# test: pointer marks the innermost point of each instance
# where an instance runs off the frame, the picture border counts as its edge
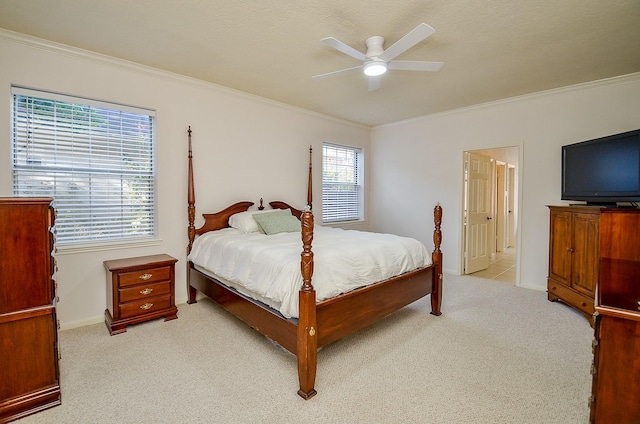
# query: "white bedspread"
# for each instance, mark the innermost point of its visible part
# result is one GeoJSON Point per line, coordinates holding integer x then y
{"type": "Point", "coordinates": [268, 266]}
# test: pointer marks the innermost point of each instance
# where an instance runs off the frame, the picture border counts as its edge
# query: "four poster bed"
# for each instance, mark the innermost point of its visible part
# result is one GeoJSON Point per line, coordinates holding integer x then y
{"type": "Point", "coordinates": [310, 321]}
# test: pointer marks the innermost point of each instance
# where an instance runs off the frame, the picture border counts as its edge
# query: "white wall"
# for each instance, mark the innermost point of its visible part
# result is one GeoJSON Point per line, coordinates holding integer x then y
{"type": "Point", "coordinates": [419, 162]}
{"type": "Point", "coordinates": [244, 148]}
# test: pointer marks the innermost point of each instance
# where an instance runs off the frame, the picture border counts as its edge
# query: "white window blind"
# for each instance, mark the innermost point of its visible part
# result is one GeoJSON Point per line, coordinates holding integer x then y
{"type": "Point", "coordinates": [95, 159]}
{"type": "Point", "coordinates": [341, 183]}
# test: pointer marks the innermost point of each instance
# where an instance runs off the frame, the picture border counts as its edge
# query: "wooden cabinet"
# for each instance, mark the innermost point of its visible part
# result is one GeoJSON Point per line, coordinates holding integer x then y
{"type": "Point", "coordinates": [29, 374]}
{"type": "Point", "coordinates": [616, 368]}
{"type": "Point", "coordinates": [139, 289]}
{"type": "Point", "coordinates": [574, 256]}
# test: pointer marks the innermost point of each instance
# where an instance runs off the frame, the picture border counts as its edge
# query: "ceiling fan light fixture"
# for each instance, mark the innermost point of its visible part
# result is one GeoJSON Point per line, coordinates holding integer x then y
{"type": "Point", "coordinates": [375, 68]}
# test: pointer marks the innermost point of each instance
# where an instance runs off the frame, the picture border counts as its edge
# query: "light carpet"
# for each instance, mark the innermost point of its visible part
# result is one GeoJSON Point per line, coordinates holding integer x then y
{"type": "Point", "coordinates": [498, 354]}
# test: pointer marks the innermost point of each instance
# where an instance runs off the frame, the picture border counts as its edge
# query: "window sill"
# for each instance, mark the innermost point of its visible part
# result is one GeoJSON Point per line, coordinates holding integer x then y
{"type": "Point", "coordinates": [85, 248]}
{"type": "Point", "coordinates": [345, 224]}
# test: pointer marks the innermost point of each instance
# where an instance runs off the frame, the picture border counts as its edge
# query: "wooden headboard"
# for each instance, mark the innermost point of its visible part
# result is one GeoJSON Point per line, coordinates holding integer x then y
{"type": "Point", "coordinates": [282, 205]}
{"type": "Point", "coordinates": [219, 220]}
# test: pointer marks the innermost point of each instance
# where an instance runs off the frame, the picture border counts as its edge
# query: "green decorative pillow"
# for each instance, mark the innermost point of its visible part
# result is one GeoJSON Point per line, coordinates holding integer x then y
{"type": "Point", "coordinates": [277, 223]}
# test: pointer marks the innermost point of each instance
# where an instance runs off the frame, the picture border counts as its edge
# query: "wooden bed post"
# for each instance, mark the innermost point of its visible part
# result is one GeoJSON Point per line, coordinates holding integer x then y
{"type": "Point", "coordinates": [309, 184]}
{"type": "Point", "coordinates": [191, 198]}
{"type": "Point", "coordinates": [307, 326]}
{"type": "Point", "coordinates": [436, 257]}
{"type": "Point", "coordinates": [191, 211]}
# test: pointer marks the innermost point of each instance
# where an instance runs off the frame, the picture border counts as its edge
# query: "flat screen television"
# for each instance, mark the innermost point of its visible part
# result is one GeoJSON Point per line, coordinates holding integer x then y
{"type": "Point", "coordinates": [603, 171]}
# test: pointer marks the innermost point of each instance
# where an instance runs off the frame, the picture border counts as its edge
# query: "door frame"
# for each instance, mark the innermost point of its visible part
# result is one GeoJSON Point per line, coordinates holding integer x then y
{"type": "Point", "coordinates": [512, 206]}
{"type": "Point", "coordinates": [499, 215]}
{"type": "Point", "coordinates": [519, 153]}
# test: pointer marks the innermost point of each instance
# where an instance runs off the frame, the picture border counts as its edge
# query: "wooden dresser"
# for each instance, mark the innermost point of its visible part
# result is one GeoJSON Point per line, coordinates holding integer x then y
{"type": "Point", "coordinates": [29, 374]}
{"type": "Point", "coordinates": [616, 366]}
{"type": "Point", "coordinates": [574, 233]}
{"type": "Point", "coordinates": [139, 289]}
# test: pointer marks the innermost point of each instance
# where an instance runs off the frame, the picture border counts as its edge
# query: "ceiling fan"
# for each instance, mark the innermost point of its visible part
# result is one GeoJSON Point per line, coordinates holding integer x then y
{"type": "Point", "coordinates": [377, 60]}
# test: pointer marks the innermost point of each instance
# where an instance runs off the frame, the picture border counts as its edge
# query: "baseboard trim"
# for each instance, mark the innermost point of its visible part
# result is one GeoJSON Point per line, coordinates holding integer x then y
{"type": "Point", "coordinates": [81, 323]}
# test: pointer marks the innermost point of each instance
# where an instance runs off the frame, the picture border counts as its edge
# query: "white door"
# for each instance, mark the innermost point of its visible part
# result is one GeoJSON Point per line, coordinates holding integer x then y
{"type": "Point", "coordinates": [478, 212]}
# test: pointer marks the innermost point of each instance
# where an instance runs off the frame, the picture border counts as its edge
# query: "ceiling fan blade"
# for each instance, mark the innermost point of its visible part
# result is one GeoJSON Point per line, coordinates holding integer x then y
{"type": "Point", "coordinates": [374, 83]}
{"type": "Point", "coordinates": [344, 48]}
{"type": "Point", "coordinates": [335, 73]}
{"type": "Point", "coordinates": [410, 65]}
{"type": "Point", "coordinates": [414, 36]}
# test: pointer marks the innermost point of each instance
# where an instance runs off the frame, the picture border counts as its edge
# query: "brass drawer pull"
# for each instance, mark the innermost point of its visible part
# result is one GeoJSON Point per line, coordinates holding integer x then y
{"type": "Point", "coordinates": [146, 291]}
{"type": "Point", "coordinates": [145, 277]}
{"type": "Point", "coordinates": [146, 306]}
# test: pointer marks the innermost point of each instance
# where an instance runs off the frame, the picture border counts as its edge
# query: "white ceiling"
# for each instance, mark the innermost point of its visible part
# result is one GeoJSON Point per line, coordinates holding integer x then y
{"type": "Point", "coordinates": [492, 49]}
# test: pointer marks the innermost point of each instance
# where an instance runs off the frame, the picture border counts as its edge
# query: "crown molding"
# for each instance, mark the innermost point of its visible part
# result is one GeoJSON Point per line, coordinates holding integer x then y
{"type": "Point", "coordinates": [78, 53]}
{"type": "Point", "coordinates": [621, 79]}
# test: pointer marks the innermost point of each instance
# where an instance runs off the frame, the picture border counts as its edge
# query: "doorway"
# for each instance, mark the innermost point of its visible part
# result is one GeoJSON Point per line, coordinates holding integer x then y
{"type": "Point", "coordinates": [490, 213]}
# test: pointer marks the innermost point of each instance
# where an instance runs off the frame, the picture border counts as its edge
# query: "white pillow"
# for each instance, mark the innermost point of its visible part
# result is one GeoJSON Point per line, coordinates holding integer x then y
{"type": "Point", "coordinates": [244, 221]}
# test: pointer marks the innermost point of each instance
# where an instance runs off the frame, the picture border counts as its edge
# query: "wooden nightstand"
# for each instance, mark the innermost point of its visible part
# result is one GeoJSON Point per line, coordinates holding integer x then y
{"type": "Point", "coordinates": [139, 289]}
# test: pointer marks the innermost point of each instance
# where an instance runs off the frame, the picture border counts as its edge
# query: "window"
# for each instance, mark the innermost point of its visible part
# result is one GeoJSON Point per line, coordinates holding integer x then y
{"type": "Point", "coordinates": [341, 183]}
{"type": "Point", "coordinates": [95, 159]}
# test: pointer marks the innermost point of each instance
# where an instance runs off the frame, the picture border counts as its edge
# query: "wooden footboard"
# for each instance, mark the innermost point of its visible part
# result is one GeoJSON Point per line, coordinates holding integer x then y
{"type": "Point", "coordinates": [370, 304]}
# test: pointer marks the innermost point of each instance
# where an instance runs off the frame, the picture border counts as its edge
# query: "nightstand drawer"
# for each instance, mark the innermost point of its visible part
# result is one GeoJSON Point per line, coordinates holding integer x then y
{"type": "Point", "coordinates": [144, 306]}
{"type": "Point", "coordinates": [149, 275]}
{"type": "Point", "coordinates": [144, 291]}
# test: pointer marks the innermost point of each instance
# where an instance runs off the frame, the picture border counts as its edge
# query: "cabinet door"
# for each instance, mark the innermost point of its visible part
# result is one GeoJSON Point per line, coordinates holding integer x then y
{"type": "Point", "coordinates": [25, 263]}
{"type": "Point", "coordinates": [617, 382]}
{"type": "Point", "coordinates": [560, 246]}
{"type": "Point", "coordinates": [585, 253]}
{"type": "Point", "coordinates": [28, 355]}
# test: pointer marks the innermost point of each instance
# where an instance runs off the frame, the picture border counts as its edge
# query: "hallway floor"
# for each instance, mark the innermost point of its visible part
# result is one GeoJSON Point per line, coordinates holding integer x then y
{"type": "Point", "coordinates": [501, 268]}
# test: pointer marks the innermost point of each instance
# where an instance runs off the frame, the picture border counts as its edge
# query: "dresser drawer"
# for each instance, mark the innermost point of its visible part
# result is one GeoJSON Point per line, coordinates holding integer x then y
{"type": "Point", "coordinates": [571, 297]}
{"type": "Point", "coordinates": [144, 291]}
{"type": "Point", "coordinates": [149, 275]}
{"type": "Point", "coordinates": [144, 306]}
